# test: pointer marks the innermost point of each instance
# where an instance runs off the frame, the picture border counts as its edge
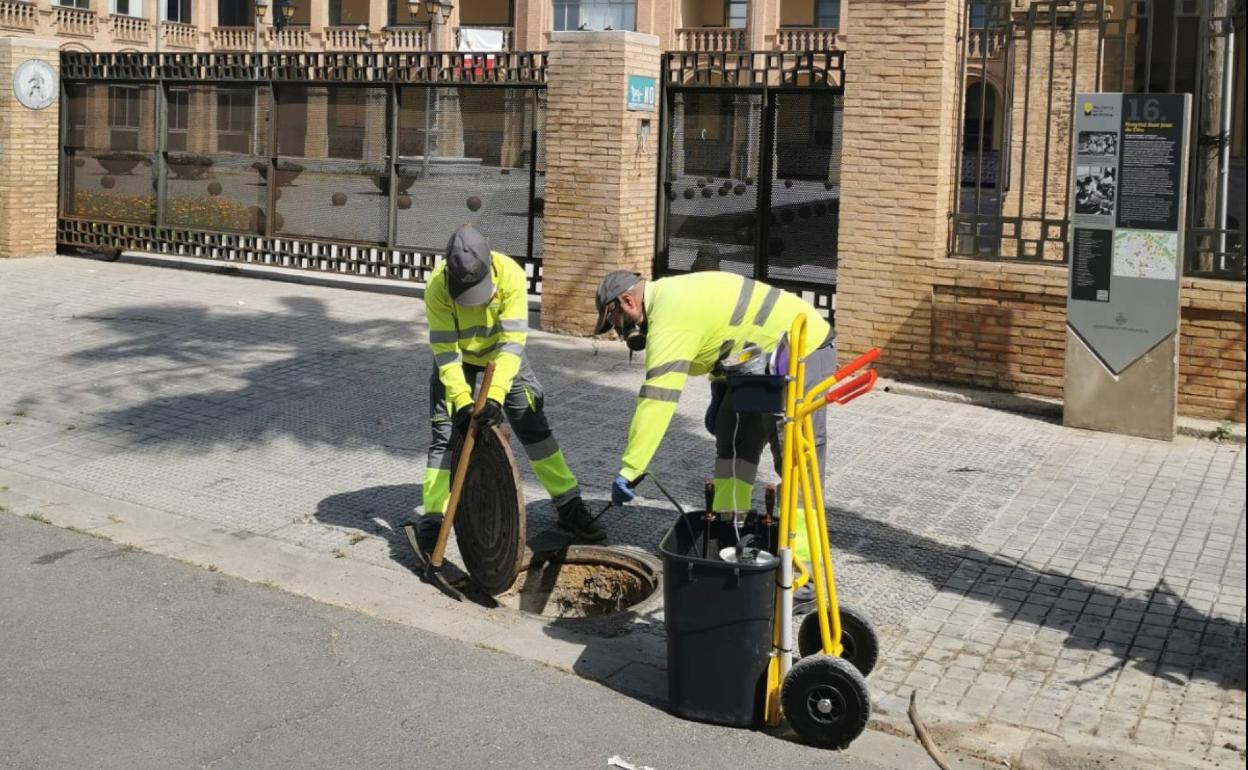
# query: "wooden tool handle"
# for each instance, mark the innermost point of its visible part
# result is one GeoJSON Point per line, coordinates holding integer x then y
{"type": "Point", "coordinates": [461, 468]}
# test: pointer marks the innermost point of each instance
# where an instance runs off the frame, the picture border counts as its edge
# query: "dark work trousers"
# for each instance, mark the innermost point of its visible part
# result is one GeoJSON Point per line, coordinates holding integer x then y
{"type": "Point", "coordinates": [740, 439]}
{"type": "Point", "coordinates": [523, 407]}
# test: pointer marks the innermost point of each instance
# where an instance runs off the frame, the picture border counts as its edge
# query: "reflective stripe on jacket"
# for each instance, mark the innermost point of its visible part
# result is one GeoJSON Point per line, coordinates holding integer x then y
{"type": "Point", "coordinates": [693, 322]}
{"type": "Point", "coordinates": [495, 331]}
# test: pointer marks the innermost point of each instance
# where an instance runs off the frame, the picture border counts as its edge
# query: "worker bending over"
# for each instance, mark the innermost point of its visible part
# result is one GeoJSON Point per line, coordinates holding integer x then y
{"type": "Point", "coordinates": [478, 312]}
{"type": "Point", "coordinates": [710, 323]}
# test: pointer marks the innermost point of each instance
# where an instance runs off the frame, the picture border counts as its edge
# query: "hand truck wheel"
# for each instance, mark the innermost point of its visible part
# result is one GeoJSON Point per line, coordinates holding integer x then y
{"type": "Point", "coordinates": [859, 642]}
{"type": "Point", "coordinates": [826, 701]}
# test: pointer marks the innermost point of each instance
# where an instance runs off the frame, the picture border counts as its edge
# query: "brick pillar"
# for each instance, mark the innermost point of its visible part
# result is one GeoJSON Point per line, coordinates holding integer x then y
{"type": "Point", "coordinates": [517, 124]}
{"type": "Point", "coordinates": [28, 156]}
{"type": "Point", "coordinates": [897, 176]}
{"type": "Point", "coordinates": [97, 134]}
{"type": "Point", "coordinates": [316, 138]}
{"type": "Point", "coordinates": [448, 123]}
{"type": "Point", "coordinates": [376, 103]}
{"type": "Point", "coordinates": [600, 180]}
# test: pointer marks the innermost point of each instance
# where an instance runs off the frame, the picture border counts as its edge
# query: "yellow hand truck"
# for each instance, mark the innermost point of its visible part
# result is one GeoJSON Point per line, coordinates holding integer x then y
{"type": "Point", "coordinates": [824, 693]}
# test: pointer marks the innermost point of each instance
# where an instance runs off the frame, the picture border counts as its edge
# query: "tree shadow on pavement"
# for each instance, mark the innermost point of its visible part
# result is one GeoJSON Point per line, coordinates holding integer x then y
{"type": "Point", "coordinates": [220, 369]}
{"type": "Point", "coordinates": [1154, 631]}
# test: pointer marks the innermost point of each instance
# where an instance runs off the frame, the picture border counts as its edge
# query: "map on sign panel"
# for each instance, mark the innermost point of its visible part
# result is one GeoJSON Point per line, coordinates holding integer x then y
{"type": "Point", "coordinates": [1146, 254]}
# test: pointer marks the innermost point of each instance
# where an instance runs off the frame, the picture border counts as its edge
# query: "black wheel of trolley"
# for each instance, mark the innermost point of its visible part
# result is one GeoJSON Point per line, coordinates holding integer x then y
{"type": "Point", "coordinates": [860, 644]}
{"type": "Point", "coordinates": [825, 699]}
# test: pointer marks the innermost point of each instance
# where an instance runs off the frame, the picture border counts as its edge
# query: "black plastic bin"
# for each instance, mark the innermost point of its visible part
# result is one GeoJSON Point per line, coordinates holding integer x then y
{"type": "Point", "coordinates": [718, 617]}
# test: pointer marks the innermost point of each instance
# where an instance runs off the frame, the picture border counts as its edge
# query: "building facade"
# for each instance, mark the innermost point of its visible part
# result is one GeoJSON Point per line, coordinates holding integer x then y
{"type": "Point", "coordinates": [393, 25]}
{"type": "Point", "coordinates": [937, 168]}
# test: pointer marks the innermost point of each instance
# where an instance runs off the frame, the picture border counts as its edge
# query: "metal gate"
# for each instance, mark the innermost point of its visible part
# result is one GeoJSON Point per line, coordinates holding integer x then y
{"type": "Point", "coordinates": [1023, 64]}
{"type": "Point", "coordinates": [348, 163]}
{"type": "Point", "coordinates": [750, 162]}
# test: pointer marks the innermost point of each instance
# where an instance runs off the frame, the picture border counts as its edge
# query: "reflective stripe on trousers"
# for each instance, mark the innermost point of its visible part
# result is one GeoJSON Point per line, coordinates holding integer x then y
{"type": "Point", "coordinates": [527, 418]}
{"type": "Point", "coordinates": [740, 439]}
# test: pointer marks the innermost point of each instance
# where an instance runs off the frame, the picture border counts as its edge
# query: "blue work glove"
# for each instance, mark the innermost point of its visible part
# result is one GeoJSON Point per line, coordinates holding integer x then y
{"type": "Point", "coordinates": [622, 491]}
{"type": "Point", "coordinates": [719, 389]}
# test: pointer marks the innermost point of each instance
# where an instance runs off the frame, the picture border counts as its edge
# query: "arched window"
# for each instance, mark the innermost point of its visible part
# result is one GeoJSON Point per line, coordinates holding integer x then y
{"type": "Point", "coordinates": [981, 107]}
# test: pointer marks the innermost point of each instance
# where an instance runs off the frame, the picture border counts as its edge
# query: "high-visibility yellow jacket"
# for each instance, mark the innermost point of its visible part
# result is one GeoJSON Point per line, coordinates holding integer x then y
{"type": "Point", "coordinates": [495, 331]}
{"type": "Point", "coordinates": [693, 323]}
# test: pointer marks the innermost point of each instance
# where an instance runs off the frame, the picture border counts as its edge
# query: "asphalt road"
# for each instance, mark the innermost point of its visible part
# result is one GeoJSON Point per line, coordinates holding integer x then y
{"type": "Point", "coordinates": [115, 658]}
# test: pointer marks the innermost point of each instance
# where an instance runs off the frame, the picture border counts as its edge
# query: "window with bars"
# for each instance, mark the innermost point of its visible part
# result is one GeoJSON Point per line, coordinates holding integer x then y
{"type": "Point", "coordinates": [179, 118]}
{"type": "Point", "coordinates": [235, 120]}
{"type": "Point", "coordinates": [595, 14]}
{"type": "Point", "coordinates": [124, 108]}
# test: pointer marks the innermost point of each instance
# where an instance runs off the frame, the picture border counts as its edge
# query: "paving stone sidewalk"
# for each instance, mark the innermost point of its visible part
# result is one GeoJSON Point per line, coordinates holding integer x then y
{"type": "Point", "coordinates": [1020, 573]}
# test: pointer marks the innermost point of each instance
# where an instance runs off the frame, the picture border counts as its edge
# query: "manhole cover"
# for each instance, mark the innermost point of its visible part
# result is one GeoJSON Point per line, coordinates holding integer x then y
{"type": "Point", "coordinates": [581, 581]}
{"type": "Point", "coordinates": [489, 523]}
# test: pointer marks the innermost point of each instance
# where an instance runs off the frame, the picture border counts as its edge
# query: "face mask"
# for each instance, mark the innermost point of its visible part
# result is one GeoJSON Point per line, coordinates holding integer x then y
{"type": "Point", "coordinates": [635, 338]}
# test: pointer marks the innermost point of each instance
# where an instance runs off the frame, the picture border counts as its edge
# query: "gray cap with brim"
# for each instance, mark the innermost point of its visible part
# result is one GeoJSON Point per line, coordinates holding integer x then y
{"type": "Point", "coordinates": [469, 267]}
{"type": "Point", "coordinates": [613, 284]}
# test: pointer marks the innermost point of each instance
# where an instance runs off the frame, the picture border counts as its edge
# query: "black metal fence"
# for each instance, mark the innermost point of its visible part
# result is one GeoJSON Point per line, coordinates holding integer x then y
{"type": "Point", "coordinates": [1021, 69]}
{"type": "Point", "coordinates": [351, 163]}
{"type": "Point", "coordinates": [749, 178]}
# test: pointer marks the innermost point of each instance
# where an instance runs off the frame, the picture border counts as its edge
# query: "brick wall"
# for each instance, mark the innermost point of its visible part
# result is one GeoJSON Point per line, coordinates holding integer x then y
{"type": "Point", "coordinates": [999, 325]}
{"type": "Point", "coordinates": [600, 198]}
{"type": "Point", "coordinates": [1211, 349]}
{"type": "Point", "coordinates": [28, 158]}
{"type": "Point", "coordinates": [1002, 326]}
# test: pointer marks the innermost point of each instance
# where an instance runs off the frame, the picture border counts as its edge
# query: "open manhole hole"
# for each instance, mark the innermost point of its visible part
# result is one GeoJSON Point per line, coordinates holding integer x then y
{"type": "Point", "coordinates": [581, 581]}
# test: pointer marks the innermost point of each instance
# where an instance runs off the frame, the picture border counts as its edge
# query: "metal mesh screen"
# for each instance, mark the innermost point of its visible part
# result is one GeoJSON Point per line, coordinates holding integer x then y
{"type": "Point", "coordinates": [216, 167]}
{"type": "Point", "coordinates": [805, 193]}
{"type": "Point", "coordinates": [712, 181]}
{"type": "Point", "coordinates": [539, 181]}
{"type": "Point", "coordinates": [464, 155]}
{"type": "Point", "coordinates": [331, 170]}
{"type": "Point", "coordinates": [109, 152]}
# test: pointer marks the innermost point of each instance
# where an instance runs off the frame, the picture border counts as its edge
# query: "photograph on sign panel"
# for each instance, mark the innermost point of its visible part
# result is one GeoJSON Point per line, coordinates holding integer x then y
{"type": "Point", "coordinates": [1096, 187]}
{"type": "Point", "coordinates": [1098, 142]}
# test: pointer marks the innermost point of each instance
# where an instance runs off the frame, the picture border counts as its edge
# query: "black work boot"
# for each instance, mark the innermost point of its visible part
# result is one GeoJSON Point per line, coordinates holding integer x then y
{"type": "Point", "coordinates": [427, 529]}
{"type": "Point", "coordinates": [575, 518]}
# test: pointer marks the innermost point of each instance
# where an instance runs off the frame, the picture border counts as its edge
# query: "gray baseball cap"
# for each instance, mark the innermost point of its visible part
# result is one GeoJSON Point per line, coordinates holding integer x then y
{"type": "Point", "coordinates": [469, 267]}
{"type": "Point", "coordinates": [613, 284]}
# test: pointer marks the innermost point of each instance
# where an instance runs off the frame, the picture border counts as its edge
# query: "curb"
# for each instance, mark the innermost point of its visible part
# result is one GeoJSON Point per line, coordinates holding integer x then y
{"type": "Point", "coordinates": [633, 663]}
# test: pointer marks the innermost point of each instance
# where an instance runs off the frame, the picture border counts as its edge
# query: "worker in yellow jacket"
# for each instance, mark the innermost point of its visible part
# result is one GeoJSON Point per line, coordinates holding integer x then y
{"type": "Point", "coordinates": [478, 311]}
{"type": "Point", "coordinates": [709, 323]}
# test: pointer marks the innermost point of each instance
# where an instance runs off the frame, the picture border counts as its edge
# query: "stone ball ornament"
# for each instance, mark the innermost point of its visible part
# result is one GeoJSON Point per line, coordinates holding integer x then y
{"type": "Point", "coordinates": [474, 203]}
{"type": "Point", "coordinates": [35, 84]}
{"type": "Point", "coordinates": [338, 199]}
{"type": "Point", "coordinates": [214, 188]}
{"type": "Point", "coordinates": [108, 182]}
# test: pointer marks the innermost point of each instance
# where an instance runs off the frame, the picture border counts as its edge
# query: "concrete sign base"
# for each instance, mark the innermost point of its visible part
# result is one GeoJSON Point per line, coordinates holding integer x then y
{"type": "Point", "coordinates": [1141, 401]}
